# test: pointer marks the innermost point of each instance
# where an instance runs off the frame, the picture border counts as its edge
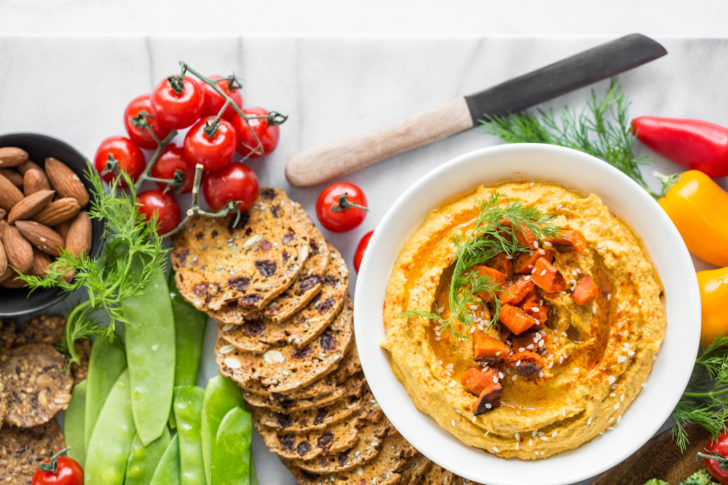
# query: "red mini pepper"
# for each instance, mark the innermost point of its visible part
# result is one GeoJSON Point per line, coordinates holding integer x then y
{"type": "Point", "coordinates": [694, 144]}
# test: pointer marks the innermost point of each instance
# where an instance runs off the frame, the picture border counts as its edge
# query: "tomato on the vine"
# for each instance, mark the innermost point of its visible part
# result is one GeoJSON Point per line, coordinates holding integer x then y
{"type": "Point", "coordinates": [716, 458]}
{"type": "Point", "coordinates": [361, 249]}
{"type": "Point", "coordinates": [177, 103]}
{"type": "Point", "coordinates": [139, 134]}
{"type": "Point", "coordinates": [212, 146]}
{"type": "Point", "coordinates": [167, 208]}
{"type": "Point", "coordinates": [58, 470]}
{"type": "Point", "coordinates": [341, 207]}
{"type": "Point", "coordinates": [213, 101]}
{"type": "Point", "coordinates": [265, 128]}
{"type": "Point", "coordinates": [128, 156]}
{"type": "Point", "coordinates": [171, 160]}
{"type": "Point", "coordinates": [236, 182]}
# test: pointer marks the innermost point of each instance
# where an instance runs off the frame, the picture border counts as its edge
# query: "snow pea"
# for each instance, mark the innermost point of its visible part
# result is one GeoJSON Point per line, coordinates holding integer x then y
{"type": "Point", "coordinates": [74, 422]}
{"type": "Point", "coordinates": [187, 411]}
{"type": "Point", "coordinates": [231, 455]}
{"type": "Point", "coordinates": [189, 326]}
{"type": "Point", "coordinates": [221, 395]}
{"type": "Point", "coordinates": [106, 363]}
{"type": "Point", "coordinates": [143, 460]}
{"type": "Point", "coordinates": [167, 472]}
{"type": "Point", "coordinates": [253, 475]}
{"type": "Point", "coordinates": [149, 333]}
{"type": "Point", "coordinates": [111, 439]}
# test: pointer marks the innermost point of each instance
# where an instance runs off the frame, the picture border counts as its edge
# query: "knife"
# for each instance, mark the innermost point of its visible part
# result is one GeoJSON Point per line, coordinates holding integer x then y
{"type": "Point", "coordinates": [329, 161]}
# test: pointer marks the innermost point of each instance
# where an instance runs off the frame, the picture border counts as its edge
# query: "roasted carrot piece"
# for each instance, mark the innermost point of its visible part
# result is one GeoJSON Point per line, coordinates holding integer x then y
{"type": "Point", "coordinates": [526, 363]}
{"type": "Point", "coordinates": [502, 264]}
{"type": "Point", "coordinates": [569, 241]}
{"type": "Point", "coordinates": [476, 379]}
{"type": "Point", "coordinates": [494, 275]}
{"type": "Point", "coordinates": [524, 236]}
{"type": "Point", "coordinates": [517, 291]}
{"type": "Point", "coordinates": [536, 307]}
{"type": "Point", "coordinates": [547, 277]}
{"type": "Point", "coordinates": [515, 319]}
{"type": "Point", "coordinates": [488, 399]}
{"type": "Point", "coordinates": [489, 349]}
{"type": "Point", "coordinates": [533, 341]}
{"type": "Point", "coordinates": [525, 262]}
{"type": "Point", "coordinates": [585, 291]}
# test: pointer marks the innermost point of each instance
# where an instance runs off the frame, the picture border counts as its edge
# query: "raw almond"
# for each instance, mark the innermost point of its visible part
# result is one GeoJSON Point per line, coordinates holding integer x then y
{"type": "Point", "coordinates": [25, 166]}
{"type": "Point", "coordinates": [12, 283]}
{"type": "Point", "coordinates": [3, 224]}
{"type": "Point", "coordinates": [7, 273]}
{"type": "Point", "coordinates": [35, 180]}
{"type": "Point", "coordinates": [58, 211]}
{"type": "Point", "coordinates": [3, 259]}
{"type": "Point", "coordinates": [9, 194]}
{"type": "Point", "coordinates": [18, 250]}
{"type": "Point", "coordinates": [12, 175]}
{"type": "Point", "coordinates": [62, 228]}
{"type": "Point", "coordinates": [41, 261]}
{"type": "Point", "coordinates": [30, 205]}
{"type": "Point", "coordinates": [40, 236]}
{"type": "Point", "coordinates": [2, 216]}
{"type": "Point", "coordinates": [78, 239]}
{"type": "Point", "coordinates": [65, 181]}
{"type": "Point", "coordinates": [12, 156]}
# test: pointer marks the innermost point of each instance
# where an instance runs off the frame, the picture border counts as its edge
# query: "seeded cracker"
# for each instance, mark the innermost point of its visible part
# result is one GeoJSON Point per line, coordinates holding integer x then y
{"type": "Point", "coordinates": [22, 449]}
{"type": "Point", "coordinates": [45, 329]}
{"type": "Point", "coordinates": [311, 419]}
{"type": "Point", "coordinates": [7, 333]}
{"type": "Point", "coordinates": [37, 384]}
{"type": "Point", "coordinates": [3, 404]}
{"type": "Point", "coordinates": [288, 368]}
{"type": "Point", "coordinates": [438, 476]}
{"type": "Point", "coordinates": [415, 468]}
{"type": "Point", "coordinates": [217, 261]}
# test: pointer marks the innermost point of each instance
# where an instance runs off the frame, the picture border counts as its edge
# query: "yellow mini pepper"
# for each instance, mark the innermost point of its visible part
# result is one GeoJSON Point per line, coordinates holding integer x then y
{"type": "Point", "coordinates": [713, 299]}
{"type": "Point", "coordinates": [699, 209]}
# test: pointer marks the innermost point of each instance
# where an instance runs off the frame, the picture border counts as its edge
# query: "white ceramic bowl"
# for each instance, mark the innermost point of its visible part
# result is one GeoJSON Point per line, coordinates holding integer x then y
{"type": "Point", "coordinates": [582, 173]}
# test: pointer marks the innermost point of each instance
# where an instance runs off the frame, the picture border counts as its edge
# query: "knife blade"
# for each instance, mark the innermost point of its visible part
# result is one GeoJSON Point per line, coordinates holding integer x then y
{"type": "Point", "coordinates": [329, 161]}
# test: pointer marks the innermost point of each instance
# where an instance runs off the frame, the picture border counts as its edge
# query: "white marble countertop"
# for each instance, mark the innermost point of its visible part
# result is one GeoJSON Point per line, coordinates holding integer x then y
{"type": "Point", "coordinates": [76, 88]}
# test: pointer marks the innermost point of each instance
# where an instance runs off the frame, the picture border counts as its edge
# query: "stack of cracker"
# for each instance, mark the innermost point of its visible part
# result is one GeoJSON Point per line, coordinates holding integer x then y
{"type": "Point", "coordinates": [280, 293]}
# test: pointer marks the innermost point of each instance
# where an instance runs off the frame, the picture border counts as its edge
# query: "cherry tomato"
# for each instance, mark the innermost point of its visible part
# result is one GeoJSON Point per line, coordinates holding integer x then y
{"type": "Point", "coordinates": [716, 466]}
{"type": "Point", "coordinates": [177, 109]}
{"type": "Point", "coordinates": [165, 205]}
{"type": "Point", "coordinates": [341, 207]}
{"type": "Point", "coordinates": [213, 152]}
{"type": "Point", "coordinates": [267, 132]}
{"type": "Point", "coordinates": [171, 160]}
{"type": "Point", "coordinates": [234, 182]}
{"type": "Point", "coordinates": [125, 152]}
{"type": "Point", "coordinates": [67, 472]}
{"type": "Point", "coordinates": [213, 101]}
{"type": "Point", "coordinates": [360, 249]}
{"type": "Point", "coordinates": [140, 135]}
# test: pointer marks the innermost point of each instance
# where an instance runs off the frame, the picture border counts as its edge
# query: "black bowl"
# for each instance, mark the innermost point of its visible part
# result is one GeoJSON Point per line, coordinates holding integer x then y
{"type": "Point", "coordinates": [19, 302]}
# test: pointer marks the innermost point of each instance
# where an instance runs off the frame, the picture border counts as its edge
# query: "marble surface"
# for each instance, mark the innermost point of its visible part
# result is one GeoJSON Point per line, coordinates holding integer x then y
{"type": "Point", "coordinates": [76, 88]}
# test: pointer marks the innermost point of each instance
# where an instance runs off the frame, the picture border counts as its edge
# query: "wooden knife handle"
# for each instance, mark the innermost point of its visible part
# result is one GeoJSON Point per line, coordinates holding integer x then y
{"type": "Point", "coordinates": [327, 162]}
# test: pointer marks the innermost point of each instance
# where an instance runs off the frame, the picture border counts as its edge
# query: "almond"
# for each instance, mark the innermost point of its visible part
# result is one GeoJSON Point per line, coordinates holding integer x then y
{"type": "Point", "coordinates": [18, 249]}
{"type": "Point", "coordinates": [35, 180]}
{"type": "Point", "coordinates": [3, 259]}
{"type": "Point", "coordinates": [12, 175]}
{"type": "Point", "coordinates": [3, 225]}
{"type": "Point", "coordinates": [12, 156]}
{"type": "Point", "coordinates": [41, 261]}
{"type": "Point", "coordinates": [57, 212]}
{"type": "Point", "coordinates": [78, 239]}
{"type": "Point", "coordinates": [62, 228]}
{"type": "Point", "coordinates": [9, 194]}
{"type": "Point", "coordinates": [30, 205]}
{"type": "Point", "coordinates": [3, 213]}
{"type": "Point", "coordinates": [7, 273]}
{"type": "Point", "coordinates": [25, 166]}
{"type": "Point", "coordinates": [65, 181]}
{"type": "Point", "coordinates": [12, 282]}
{"type": "Point", "coordinates": [40, 236]}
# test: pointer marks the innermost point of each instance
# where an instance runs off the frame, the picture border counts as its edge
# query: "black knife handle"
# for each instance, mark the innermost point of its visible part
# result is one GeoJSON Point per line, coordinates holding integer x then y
{"type": "Point", "coordinates": [579, 70]}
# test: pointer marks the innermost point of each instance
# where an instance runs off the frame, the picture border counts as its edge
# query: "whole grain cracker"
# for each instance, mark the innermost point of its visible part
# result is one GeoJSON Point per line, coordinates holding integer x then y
{"type": "Point", "coordinates": [43, 329]}
{"type": "Point", "coordinates": [437, 475]}
{"type": "Point", "coordinates": [415, 469]}
{"type": "Point", "coordinates": [310, 419]}
{"type": "Point", "coordinates": [38, 384]}
{"type": "Point", "coordinates": [21, 449]}
{"type": "Point", "coordinates": [289, 368]}
{"type": "Point", "coordinates": [3, 404]}
{"type": "Point", "coordinates": [7, 333]}
{"type": "Point", "coordinates": [217, 260]}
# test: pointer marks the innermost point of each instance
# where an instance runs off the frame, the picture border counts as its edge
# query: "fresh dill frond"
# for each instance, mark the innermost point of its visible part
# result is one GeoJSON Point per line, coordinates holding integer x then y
{"type": "Point", "coordinates": [602, 129]}
{"type": "Point", "coordinates": [131, 254]}
{"type": "Point", "coordinates": [705, 401]}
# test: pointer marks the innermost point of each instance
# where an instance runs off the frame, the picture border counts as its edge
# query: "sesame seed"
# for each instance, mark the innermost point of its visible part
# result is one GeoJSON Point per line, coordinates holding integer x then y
{"type": "Point", "coordinates": [515, 377]}
{"type": "Point", "coordinates": [543, 272]}
{"type": "Point", "coordinates": [588, 421]}
{"type": "Point", "coordinates": [544, 438]}
{"type": "Point", "coordinates": [611, 379]}
{"type": "Point", "coordinates": [488, 405]}
{"type": "Point", "coordinates": [616, 406]}
{"type": "Point", "coordinates": [452, 384]}
{"type": "Point", "coordinates": [553, 435]}
{"type": "Point", "coordinates": [540, 373]}
{"type": "Point", "coordinates": [501, 375]}
{"type": "Point", "coordinates": [621, 398]}
{"type": "Point", "coordinates": [530, 442]}
{"type": "Point", "coordinates": [495, 449]}
{"type": "Point", "coordinates": [452, 422]}
{"type": "Point", "coordinates": [517, 445]}
{"type": "Point", "coordinates": [547, 244]}
{"type": "Point", "coordinates": [609, 421]}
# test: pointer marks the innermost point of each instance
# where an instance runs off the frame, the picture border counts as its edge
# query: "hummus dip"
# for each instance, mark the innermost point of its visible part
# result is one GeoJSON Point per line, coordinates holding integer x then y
{"type": "Point", "coordinates": [597, 355]}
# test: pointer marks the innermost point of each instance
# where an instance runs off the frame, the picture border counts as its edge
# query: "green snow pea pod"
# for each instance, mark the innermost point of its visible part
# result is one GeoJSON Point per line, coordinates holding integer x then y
{"type": "Point", "coordinates": [111, 439]}
{"type": "Point", "coordinates": [106, 364]}
{"type": "Point", "coordinates": [149, 333]}
{"type": "Point", "coordinates": [231, 455]}
{"type": "Point", "coordinates": [187, 411]}
{"type": "Point", "coordinates": [143, 460]}
{"type": "Point", "coordinates": [189, 325]}
{"type": "Point", "coordinates": [253, 475]}
{"type": "Point", "coordinates": [167, 472]}
{"type": "Point", "coordinates": [74, 422]}
{"type": "Point", "coordinates": [221, 395]}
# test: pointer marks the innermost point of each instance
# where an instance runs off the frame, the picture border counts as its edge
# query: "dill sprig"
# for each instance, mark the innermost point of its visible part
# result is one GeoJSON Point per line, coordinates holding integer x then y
{"type": "Point", "coordinates": [705, 401]}
{"type": "Point", "coordinates": [601, 129]}
{"type": "Point", "coordinates": [131, 254]}
{"type": "Point", "coordinates": [493, 233]}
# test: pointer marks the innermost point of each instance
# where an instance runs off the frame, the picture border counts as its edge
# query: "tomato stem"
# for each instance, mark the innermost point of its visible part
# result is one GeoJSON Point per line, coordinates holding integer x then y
{"type": "Point", "coordinates": [344, 203]}
{"type": "Point", "coordinates": [52, 465]}
{"type": "Point", "coordinates": [157, 153]}
{"type": "Point", "coordinates": [212, 126]}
